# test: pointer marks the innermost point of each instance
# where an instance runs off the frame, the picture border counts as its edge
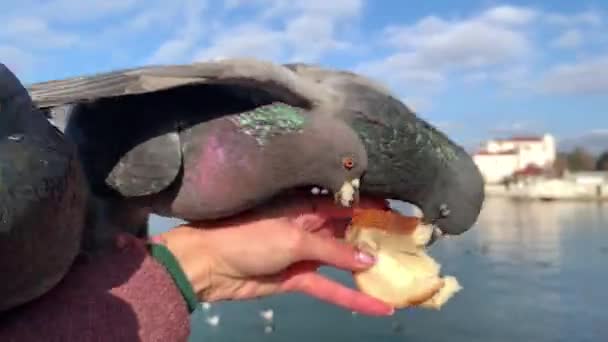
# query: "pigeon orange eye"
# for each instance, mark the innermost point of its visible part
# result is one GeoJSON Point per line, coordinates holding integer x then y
{"type": "Point", "coordinates": [348, 163]}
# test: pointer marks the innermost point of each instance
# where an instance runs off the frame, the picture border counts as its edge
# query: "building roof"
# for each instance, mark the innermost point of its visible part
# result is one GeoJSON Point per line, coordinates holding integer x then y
{"type": "Point", "coordinates": [520, 139]}
{"type": "Point", "coordinates": [530, 170]}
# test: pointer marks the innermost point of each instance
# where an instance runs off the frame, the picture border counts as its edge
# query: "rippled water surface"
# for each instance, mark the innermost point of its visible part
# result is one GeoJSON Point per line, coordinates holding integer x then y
{"type": "Point", "coordinates": [530, 271]}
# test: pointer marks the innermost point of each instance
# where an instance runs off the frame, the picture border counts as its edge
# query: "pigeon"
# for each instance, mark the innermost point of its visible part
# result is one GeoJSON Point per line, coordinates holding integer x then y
{"type": "Point", "coordinates": [210, 140]}
{"type": "Point", "coordinates": [42, 198]}
{"type": "Point", "coordinates": [409, 159]}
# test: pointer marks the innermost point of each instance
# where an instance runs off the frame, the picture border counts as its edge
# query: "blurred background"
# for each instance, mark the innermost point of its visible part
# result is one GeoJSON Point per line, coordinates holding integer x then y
{"type": "Point", "coordinates": [522, 85]}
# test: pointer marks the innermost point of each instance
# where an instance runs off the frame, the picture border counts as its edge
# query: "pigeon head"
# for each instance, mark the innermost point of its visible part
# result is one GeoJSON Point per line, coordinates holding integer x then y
{"type": "Point", "coordinates": [341, 161]}
{"type": "Point", "coordinates": [412, 161]}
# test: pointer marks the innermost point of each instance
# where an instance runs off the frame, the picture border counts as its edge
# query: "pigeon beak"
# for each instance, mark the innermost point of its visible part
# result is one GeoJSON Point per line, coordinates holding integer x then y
{"type": "Point", "coordinates": [348, 195]}
{"type": "Point", "coordinates": [435, 235]}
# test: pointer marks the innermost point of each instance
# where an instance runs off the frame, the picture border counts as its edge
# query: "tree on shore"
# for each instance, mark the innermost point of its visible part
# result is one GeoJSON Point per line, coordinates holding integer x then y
{"type": "Point", "coordinates": [581, 160]}
{"type": "Point", "coordinates": [602, 162]}
{"type": "Point", "coordinates": [560, 165]}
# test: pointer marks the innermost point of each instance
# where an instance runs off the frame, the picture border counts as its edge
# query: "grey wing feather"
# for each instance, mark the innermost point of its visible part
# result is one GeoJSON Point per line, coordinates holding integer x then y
{"type": "Point", "coordinates": [276, 79]}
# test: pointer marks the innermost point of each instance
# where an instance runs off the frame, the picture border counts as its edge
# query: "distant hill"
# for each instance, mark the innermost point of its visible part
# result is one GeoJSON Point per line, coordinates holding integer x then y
{"type": "Point", "coordinates": [595, 142]}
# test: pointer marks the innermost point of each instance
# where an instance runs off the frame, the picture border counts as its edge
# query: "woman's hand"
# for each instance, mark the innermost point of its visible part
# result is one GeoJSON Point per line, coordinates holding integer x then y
{"type": "Point", "coordinates": [276, 249]}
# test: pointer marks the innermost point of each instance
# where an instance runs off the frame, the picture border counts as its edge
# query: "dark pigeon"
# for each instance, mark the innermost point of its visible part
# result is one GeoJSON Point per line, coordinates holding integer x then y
{"type": "Point", "coordinates": [210, 140]}
{"type": "Point", "coordinates": [42, 198]}
{"type": "Point", "coordinates": [409, 159]}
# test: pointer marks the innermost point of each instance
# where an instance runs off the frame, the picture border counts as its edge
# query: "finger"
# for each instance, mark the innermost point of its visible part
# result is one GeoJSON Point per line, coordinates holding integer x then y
{"type": "Point", "coordinates": [332, 252]}
{"type": "Point", "coordinates": [310, 221]}
{"type": "Point", "coordinates": [326, 231]}
{"type": "Point", "coordinates": [335, 228]}
{"type": "Point", "coordinates": [332, 292]}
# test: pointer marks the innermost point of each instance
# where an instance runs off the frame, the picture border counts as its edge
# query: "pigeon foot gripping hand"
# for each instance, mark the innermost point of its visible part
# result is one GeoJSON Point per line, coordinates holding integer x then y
{"type": "Point", "coordinates": [404, 275]}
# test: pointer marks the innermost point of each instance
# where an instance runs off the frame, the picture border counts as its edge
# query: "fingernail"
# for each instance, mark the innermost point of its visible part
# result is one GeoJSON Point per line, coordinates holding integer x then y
{"type": "Point", "coordinates": [391, 312]}
{"type": "Point", "coordinates": [365, 258]}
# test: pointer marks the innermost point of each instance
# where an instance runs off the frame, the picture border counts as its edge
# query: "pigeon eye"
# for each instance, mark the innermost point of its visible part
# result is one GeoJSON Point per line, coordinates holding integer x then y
{"type": "Point", "coordinates": [348, 163]}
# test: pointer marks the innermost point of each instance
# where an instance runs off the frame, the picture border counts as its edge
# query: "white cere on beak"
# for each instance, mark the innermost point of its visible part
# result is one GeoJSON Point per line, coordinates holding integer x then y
{"type": "Point", "coordinates": [324, 191]}
{"type": "Point", "coordinates": [346, 195]}
{"type": "Point", "coordinates": [315, 191]}
{"type": "Point", "coordinates": [438, 232]}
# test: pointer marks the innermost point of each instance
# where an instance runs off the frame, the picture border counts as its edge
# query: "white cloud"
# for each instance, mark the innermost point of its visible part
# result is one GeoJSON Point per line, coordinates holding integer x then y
{"type": "Point", "coordinates": [71, 11]}
{"type": "Point", "coordinates": [108, 27]}
{"type": "Point", "coordinates": [186, 37]}
{"type": "Point", "coordinates": [311, 36]}
{"type": "Point", "coordinates": [428, 52]}
{"type": "Point", "coordinates": [405, 68]}
{"type": "Point", "coordinates": [498, 44]}
{"type": "Point", "coordinates": [510, 15]}
{"type": "Point", "coordinates": [588, 76]}
{"type": "Point", "coordinates": [35, 33]}
{"type": "Point", "coordinates": [337, 9]}
{"type": "Point", "coordinates": [246, 40]}
{"type": "Point", "coordinates": [470, 43]}
{"type": "Point", "coordinates": [305, 31]}
{"type": "Point", "coordinates": [305, 38]}
{"type": "Point", "coordinates": [591, 18]}
{"type": "Point", "coordinates": [571, 38]}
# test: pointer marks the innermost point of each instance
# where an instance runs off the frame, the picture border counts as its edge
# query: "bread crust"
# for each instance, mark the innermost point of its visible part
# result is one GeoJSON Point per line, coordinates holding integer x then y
{"type": "Point", "coordinates": [404, 275]}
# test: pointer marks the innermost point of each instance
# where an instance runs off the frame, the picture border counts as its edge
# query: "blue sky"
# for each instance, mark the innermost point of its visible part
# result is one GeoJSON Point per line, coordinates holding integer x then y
{"type": "Point", "coordinates": [475, 69]}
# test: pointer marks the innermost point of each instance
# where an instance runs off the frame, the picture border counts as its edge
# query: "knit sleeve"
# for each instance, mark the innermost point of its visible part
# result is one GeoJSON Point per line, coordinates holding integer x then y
{"type": "Point", "coordinates": [125, 296]}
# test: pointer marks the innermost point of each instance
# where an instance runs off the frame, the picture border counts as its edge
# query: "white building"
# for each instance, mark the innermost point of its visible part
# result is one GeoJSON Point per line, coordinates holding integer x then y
{"type": "Point", "coordinates": [501, 158]}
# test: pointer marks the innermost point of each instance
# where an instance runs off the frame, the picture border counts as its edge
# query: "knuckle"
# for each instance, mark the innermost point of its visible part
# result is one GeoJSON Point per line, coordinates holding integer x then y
{"type": "Point", "coordinates": [296, 239]}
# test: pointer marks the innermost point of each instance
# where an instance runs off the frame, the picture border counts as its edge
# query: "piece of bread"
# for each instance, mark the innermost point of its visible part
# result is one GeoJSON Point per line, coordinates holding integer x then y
{"type": "Point", "coordinates": [404, 275]}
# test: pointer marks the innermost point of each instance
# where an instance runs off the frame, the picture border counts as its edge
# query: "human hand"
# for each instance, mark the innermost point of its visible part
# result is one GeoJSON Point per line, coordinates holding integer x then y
{"type": "Point", "coordinates": [276, 249]}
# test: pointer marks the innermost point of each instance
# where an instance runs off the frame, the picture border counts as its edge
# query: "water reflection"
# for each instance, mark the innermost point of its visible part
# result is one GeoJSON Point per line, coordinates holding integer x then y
{"type": "Point", "coordinates": [531, 271]}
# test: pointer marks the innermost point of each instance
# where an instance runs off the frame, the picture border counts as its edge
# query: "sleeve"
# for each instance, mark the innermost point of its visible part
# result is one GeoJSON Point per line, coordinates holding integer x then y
{"type": "Point", "coordinates": [125, 296]}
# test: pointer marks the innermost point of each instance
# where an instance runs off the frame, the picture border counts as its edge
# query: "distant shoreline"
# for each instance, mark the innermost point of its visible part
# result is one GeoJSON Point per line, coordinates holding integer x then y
{"type": "Point", "coordinates": [550, 191]}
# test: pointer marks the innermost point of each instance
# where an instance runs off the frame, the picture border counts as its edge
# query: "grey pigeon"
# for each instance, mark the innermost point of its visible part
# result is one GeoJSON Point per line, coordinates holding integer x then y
{"type": "Point", "coordinates": [210, 140]}
{"type": "Point", "coordinates": [42, 198]}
